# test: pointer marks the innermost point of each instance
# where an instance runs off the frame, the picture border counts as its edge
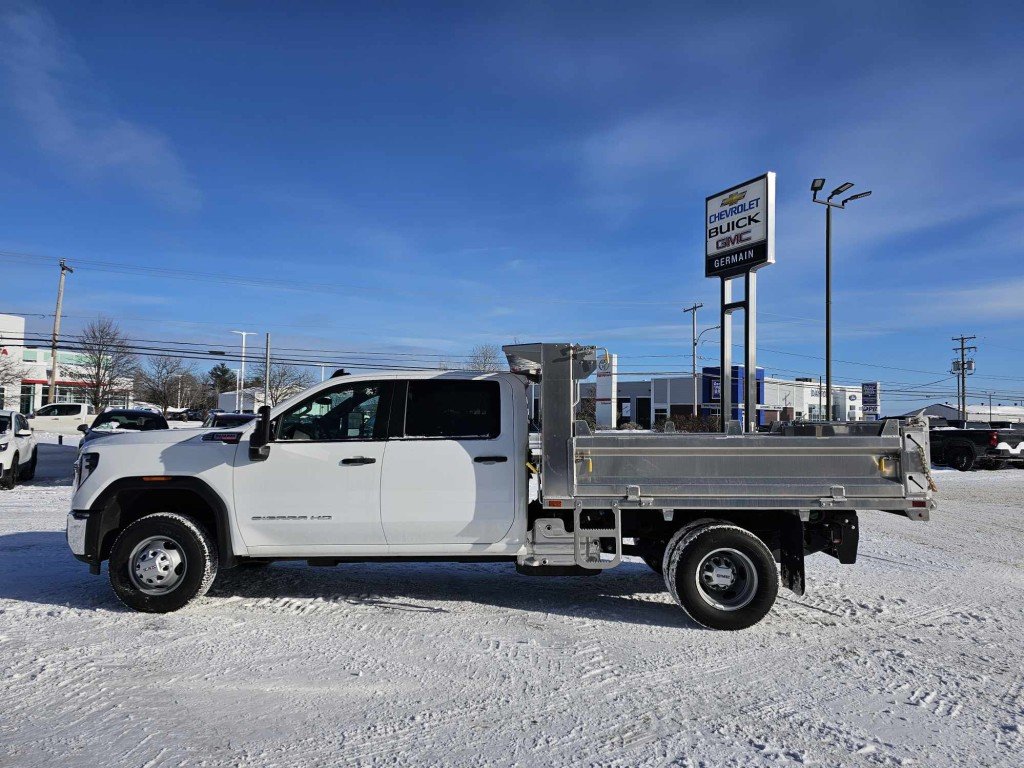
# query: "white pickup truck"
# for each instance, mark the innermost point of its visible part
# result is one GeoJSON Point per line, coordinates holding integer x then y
{"type": "Point", "coordinates": [438, 466]}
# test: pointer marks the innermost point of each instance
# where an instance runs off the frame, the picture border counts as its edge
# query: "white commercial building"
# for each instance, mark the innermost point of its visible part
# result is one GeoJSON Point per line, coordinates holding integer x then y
{"type": "Point", "coordinates": [30, 389]}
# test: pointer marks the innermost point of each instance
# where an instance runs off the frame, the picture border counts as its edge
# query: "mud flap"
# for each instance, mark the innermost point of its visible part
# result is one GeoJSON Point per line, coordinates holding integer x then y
{"type": "Point", "coordinates": [792, 553]}
{"type": "Point", "coordinates": [845, 528]}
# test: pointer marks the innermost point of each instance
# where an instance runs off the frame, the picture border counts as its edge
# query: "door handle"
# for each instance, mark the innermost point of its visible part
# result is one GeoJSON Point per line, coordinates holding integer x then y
{"type": "Point", "coordinates": [490, 459]}
{"type": "Point", "coordinates": [358, 460]}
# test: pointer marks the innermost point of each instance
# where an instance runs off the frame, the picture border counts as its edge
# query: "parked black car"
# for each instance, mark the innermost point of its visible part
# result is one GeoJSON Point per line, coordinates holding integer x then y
{"type": "Point", "coordinates": [121, 420]}
{"type": "Point", "coordinates": [975, 445]}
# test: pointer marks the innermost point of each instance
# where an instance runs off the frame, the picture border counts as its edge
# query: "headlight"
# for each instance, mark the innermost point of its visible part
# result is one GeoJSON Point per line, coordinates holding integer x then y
{"type": "Point", "coordinates": [3, 446]}
{"type": "Point", "coordinates": [85, 465]}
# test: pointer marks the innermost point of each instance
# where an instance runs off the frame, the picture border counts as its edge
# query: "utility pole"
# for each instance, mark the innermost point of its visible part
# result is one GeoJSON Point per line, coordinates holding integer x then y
{"type": "Point", "coordinates": [52, 395]}
{"type": "Point", "coordinates": [960, 366]}
{"type": "Point", "coordinates": [693, 348]}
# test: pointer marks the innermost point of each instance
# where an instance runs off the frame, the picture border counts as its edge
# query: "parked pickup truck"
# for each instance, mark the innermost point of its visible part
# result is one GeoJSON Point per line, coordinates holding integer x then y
{"type": "Point", "coordinates": [976, 444]}
{"type": "Point", "coordinates": [438, 466]}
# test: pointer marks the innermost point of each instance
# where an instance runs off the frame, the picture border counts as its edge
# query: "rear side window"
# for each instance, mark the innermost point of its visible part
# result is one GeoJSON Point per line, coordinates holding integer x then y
{"type": "Point", "coordinates": [453, 409]}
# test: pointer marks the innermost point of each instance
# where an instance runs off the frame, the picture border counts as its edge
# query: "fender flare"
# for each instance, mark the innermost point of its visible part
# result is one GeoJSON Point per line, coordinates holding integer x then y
{"type": "Point", "coordinates": [105, 515]}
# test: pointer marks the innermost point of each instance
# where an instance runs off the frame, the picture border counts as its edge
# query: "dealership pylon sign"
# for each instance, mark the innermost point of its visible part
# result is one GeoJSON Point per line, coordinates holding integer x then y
{"type": "Point", "coordinates": [739, 228]}
{"type": "Point", "coordinates": [739, 239]}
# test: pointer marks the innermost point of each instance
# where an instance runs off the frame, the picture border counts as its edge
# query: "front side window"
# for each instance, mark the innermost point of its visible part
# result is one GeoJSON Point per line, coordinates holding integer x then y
{"type": "Point", "coordinates": [457, 410]}
{"type": "Point", "coordinates": [343, 412]}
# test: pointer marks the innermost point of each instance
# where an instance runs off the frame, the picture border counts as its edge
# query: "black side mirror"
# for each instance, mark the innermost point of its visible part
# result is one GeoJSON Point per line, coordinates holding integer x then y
{"type": "Point", "coordinates": [83, 428]}
{"type": "Point", "coordinates": [259, 440]}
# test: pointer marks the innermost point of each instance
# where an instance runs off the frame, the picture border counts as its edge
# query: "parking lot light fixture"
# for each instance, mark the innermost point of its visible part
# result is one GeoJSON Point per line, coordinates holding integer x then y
{"type": "Point", "coordinates": [840, 189]}
{"type": "Point", "coordinates": [816, 186]}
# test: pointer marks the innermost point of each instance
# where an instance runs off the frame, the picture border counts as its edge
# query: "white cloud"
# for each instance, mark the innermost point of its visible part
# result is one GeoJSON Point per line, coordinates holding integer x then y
{"type": "Point", "coordinates": [72, 125]}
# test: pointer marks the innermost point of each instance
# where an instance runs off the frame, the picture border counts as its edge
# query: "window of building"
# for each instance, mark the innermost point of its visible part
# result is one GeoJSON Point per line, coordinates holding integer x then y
{"type": "Point", "coordinates": [451, 409]}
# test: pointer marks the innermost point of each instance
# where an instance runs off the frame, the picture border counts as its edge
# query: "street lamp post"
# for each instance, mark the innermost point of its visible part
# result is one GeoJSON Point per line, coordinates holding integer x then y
{"type": "Point", "coordinates": [816, 187]}
{"type": "Point", "coordinates": [699, 391]}
{"type": "Point", "coordinates": [241, 375]}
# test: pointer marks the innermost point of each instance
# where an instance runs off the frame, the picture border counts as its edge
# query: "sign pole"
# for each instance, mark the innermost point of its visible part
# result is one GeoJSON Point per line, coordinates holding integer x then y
{"type": "Point", "coordinates": [750, 352]}
{"type": "Point", "coordinates": [725, 369]}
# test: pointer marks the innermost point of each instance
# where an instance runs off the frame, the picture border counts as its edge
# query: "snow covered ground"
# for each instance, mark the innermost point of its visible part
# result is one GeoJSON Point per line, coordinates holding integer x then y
{"type": "Point", "coordinates": [914, 656]}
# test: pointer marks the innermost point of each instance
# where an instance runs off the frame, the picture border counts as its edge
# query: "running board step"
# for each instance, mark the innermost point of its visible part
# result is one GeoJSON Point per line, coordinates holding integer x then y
{"type": "Point", "coordinates": [587, 542]}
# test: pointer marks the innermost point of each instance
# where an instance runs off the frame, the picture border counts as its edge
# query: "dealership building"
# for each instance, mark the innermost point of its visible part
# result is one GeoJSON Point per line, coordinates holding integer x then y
{"type": "Point", "coordinates": [30, 389]}
{"type": "Point", "coordinates": [648, 401]}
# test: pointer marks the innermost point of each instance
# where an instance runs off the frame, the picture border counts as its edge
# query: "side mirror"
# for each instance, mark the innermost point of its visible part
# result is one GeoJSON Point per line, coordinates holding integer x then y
{"type": "Point", "coordinates": [259, 440]}
{"type": "Point", "coordinates": [83, 428]}
{"type": "Point", "coordinates": [23, 433]}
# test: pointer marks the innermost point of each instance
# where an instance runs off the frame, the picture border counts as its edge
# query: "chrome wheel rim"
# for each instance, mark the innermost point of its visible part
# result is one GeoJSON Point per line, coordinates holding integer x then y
{"type": "Point", "coordinates": [156, 565]}
{"type": "Point", "coordinates": [726, 579]}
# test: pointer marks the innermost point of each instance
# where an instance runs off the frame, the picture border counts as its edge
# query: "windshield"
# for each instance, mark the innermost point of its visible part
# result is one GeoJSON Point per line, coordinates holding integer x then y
{"type": "Point", "coordinates": [140, 422]}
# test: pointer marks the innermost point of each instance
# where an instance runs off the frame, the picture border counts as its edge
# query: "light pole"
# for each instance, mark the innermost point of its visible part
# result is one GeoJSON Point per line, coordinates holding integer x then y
{"type": "Point", "coordinates": [241, 375]}
{"type": "Point", "coordinates": [816, 187]}
{"type": "Point", "coordinates": [695, 388]}
{"type": "Point", "coordinates": [237, 372]}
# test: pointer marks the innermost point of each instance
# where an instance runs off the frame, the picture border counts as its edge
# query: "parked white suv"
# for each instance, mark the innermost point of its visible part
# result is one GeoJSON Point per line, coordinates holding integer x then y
{"type": "Point", "coordinates": [62, 418]}
{"type": "Point", "coordinates": [17, 450]}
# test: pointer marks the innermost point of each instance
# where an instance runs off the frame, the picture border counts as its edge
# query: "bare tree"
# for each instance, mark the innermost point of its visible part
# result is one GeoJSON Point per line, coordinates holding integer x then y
{"type": "Point", "coordinates": [285, 381]}
{"type": "Point", "coordinates": [107, 361]}
{"type": "Point", "coordinates": [163, 379]}
{"type": "Point", "coordinates": [484, 357]}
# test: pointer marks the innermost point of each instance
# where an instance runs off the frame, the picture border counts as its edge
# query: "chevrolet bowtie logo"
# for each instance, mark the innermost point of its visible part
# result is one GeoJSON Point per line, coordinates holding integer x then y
{"type": "Point", "coordinates": [732, 199]}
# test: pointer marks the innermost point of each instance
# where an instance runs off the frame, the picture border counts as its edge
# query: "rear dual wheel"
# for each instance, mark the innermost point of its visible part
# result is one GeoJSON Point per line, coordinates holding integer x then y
{"type": "Point", "coordinates": [723, 576]}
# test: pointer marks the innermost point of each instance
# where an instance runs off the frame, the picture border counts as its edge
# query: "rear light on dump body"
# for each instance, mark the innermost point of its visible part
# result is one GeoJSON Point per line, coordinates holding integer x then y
{"type": "Point", "coordinates": [993, 439]}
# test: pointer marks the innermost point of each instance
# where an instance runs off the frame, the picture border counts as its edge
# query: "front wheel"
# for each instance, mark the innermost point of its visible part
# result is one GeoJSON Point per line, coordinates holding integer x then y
{"type": "Point", "coordinates": [995, 464]}
{"type": "Point", "coordinates": [9, 478]}
{"type": "Point", "coordinates": [161, 563]}
{"type": "Point", "coordinates": [723, 576]}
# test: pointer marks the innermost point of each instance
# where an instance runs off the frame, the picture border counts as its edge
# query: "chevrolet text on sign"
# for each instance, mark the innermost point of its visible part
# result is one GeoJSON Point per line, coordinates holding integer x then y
{"type": "Point", "coordinates": [739, 226]}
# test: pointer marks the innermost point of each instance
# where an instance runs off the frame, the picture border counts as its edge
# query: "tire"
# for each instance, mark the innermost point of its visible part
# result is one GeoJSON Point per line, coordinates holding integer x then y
{"type": "Point", "coordinates": [9, 478]}
{"type": "Point", "coordinates": [995, 464]}
{"type": "Point", "coordinates": [698, 565]}
{"type": "Point", "coordinates": [962, 459]}
{"type": "Point", "coordinates": [163, 547]}
{"type": "Point", "coordinates": [29, 472]}
{"type": "Point", "coordinates": [652, 552]}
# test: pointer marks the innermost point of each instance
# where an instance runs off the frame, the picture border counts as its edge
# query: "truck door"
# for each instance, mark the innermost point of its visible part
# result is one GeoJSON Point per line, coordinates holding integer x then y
{"type": "Point", "coordinates": [319, 488]}
{"type": "Point", "coordinates": [449, 472]}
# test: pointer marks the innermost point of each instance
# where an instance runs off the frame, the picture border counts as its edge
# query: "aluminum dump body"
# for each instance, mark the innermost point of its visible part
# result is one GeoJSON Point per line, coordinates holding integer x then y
{"type": "Point", "coordinates": [864, 465]}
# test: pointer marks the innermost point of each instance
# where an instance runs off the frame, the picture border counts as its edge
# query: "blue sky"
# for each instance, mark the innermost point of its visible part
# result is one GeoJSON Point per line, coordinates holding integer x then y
{"type": "Point", "coordinates": [422, 178]}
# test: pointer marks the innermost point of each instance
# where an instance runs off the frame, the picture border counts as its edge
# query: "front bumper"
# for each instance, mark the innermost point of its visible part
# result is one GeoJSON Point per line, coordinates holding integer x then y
{"type": "Point", "coordinates": [78, 522]}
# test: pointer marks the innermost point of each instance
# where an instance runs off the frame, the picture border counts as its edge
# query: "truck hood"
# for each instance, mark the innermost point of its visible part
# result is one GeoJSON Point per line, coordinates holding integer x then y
{"type": "Point", "coordinates": [152, 437]}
